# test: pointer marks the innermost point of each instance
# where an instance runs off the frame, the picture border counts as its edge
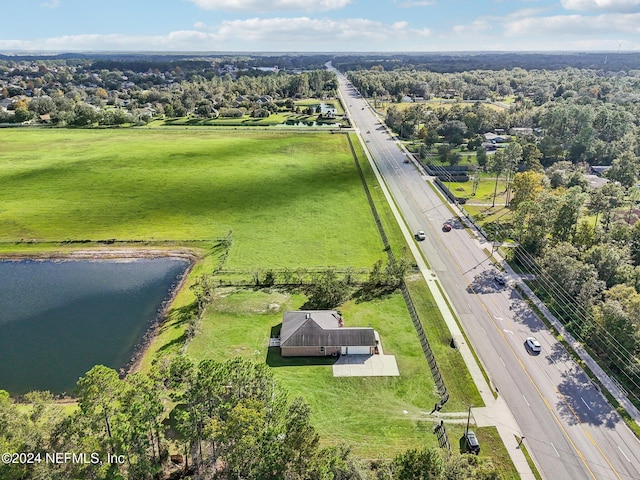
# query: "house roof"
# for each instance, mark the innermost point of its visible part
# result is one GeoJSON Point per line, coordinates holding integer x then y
{"type": "Point", "coordinates": [321, 328]}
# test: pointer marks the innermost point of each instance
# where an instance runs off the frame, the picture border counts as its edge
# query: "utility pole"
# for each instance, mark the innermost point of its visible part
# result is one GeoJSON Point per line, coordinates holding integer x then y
{"type": "Point", "coordinates": [468, 420]}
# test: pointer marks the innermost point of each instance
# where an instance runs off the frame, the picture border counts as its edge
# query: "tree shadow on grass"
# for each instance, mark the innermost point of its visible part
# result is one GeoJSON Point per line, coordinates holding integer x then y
{"type": "Point", "coordinates": [367, 293]}
{"type": "Point", "coordinates": [179, 316]}
{"type": "Point", "coordinates": [274, 359]}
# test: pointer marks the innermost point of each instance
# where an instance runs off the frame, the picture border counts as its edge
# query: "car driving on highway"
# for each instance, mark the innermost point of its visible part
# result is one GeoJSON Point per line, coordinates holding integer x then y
{"type": "Point", "coordinates": [533, 344]}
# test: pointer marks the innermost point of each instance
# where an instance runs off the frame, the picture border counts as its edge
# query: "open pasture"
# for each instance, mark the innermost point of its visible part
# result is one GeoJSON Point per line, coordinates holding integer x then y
{"type": "Point", "coordinates": [290, 200]}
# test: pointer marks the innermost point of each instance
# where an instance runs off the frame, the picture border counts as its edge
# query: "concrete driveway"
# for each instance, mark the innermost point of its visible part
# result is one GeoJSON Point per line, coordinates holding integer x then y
{"type": "Point", "coordinates": [366, 366]}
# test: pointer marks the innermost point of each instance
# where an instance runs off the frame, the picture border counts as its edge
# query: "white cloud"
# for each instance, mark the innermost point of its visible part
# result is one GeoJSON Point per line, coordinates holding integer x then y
{"type": "Point", "coordinates": [294, 33]}
{"type": "Point", "coordinates": [413, 3]}
{"type": "Point", "coordinates": [265, 6]}
{"type": "Point", "coordinates": [51, 4]}
{"type": "Point", "coordinates": [475, 27]}
{"type": "Point", "coordinates": [580, 25]}
{"type": "Point", "coordinates": [621, 6]}
{"type": "Point", "coordinates": [254, 34]}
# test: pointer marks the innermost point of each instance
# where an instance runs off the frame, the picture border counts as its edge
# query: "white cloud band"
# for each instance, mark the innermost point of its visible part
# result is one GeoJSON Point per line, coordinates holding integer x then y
{"type": "Point", "coordinates": [274, 5]}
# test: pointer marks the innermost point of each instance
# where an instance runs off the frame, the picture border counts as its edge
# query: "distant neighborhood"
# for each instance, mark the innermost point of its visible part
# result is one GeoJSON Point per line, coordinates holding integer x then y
{"type": "Point", "coordinates": [85, 92]}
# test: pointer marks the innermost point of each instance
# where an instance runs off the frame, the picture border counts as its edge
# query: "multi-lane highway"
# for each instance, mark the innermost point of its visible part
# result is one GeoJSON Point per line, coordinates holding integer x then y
{"type": "Point", "coordinates": [569, 428]}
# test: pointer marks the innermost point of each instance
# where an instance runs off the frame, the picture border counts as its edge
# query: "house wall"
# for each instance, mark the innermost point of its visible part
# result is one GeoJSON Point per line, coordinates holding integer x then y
{"type": "Point", "coordinates": [308, 351]}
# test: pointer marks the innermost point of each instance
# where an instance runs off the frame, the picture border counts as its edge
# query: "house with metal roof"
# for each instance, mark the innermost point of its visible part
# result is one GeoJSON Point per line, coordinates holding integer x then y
{"type": "Point", "coordinates": [320, 333]}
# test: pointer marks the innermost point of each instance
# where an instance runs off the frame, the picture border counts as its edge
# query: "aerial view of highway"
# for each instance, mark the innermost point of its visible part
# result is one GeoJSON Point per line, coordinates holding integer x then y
{"type": "Point", "coordinates": [569, 427]}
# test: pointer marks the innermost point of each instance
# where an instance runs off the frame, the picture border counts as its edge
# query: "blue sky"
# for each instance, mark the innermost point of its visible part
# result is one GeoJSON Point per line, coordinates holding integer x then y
{"type": "Point", "coordinates": [319, 25]}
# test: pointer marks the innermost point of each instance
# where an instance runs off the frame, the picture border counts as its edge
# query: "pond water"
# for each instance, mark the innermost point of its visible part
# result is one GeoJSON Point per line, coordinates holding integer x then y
{"type": "Point", "coordinates": [59, 319]}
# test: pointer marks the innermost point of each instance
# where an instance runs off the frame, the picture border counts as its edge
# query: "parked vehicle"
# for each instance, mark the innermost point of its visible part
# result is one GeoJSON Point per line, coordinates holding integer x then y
{"type": "Point", "coordinates": [471, 442]}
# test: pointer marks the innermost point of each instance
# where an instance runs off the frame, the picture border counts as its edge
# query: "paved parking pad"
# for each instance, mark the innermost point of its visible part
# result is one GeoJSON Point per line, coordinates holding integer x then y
{"type": "Point", "coordinates": [366, 366]}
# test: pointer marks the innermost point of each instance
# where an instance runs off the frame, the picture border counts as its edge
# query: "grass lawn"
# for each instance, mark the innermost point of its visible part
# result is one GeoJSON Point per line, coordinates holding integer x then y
{"type": "Point", "coordinates": [454, 372]}
{"type": "Point", "coordinates": [367, 412]}
{"type": "Point", "coordinates": [290, 200]}
{"type": "Point", "coordinates": [435, 103]}
{"type": "Point", "coordinates": [484, 193]}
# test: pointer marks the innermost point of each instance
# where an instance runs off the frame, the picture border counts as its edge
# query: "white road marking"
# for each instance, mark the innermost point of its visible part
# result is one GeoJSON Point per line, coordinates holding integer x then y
{"type": "Point", "coordinates": [507, 331]}
{"type": "Point", "coordinates": [502, 361]}
{"type": "Point", "coordinates": [484, 331]}
{"type": "Point", "coordinates": [554, 362]}
{"type": "Point", "coordinates": [554, 448]}
{"type": "Point", "coordinates": [624, 454]}
{"type": "Point", "coordinates": [585, 403]}
{"type": "Point", "coordinates": [525, 401]}
{"type": "Point", "coordinates": [499, 318]}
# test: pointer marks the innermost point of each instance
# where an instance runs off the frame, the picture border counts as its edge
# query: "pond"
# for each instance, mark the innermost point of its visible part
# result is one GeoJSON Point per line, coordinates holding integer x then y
{"type": "Point", "coordinates": [60, 318]}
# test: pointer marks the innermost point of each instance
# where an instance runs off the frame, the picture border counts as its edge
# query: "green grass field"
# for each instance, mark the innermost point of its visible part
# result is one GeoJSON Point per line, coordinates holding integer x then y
{"type": "Point", "coordinates": [368, 411]}
{"type": "Point", "coordinates": [290, 200]}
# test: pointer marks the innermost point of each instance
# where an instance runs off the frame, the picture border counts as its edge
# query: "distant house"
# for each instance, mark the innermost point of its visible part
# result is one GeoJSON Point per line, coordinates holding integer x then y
{"type": "Point", "coordinates": [319, 333]}
{"type": "Point", "coordinates": [599, 169]}
{"type": "Point", "coordinates": [493, 138]}
{"type": "Point", "coordinates": [489, 146]}
{"type": "Point", "coordinates": [518, 131]}
{"type": "Point", "coordinates": [596, 181]}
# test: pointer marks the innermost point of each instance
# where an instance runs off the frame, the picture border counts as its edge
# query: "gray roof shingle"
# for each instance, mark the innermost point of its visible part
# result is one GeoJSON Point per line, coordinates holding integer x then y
{"type": "Point", "coordinates": [320, 328]}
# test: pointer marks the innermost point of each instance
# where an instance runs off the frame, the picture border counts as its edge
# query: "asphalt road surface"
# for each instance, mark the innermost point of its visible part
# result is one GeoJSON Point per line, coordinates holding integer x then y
{"type": "Point", "coordinates": [569, 428]}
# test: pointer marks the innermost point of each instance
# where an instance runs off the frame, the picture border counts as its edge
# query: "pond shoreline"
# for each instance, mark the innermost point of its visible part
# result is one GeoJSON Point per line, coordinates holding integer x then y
{"type": "Point", "coordinates": [120, 255]}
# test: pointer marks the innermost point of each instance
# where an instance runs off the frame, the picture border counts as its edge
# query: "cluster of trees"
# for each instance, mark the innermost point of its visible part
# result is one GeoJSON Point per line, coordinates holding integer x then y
{"type": "Point", "coordinates": [464, 62]}
{"type": "Point", "coordinates": [580, 115]}
{"type": "Point", "coordinates": [583, 245]}
{"type": "Point", "coordinates": [89, 93]}
{"type": "Point", "coordinates": [588, 269]}
{"type": "Point", "coordinates": [231, 420]}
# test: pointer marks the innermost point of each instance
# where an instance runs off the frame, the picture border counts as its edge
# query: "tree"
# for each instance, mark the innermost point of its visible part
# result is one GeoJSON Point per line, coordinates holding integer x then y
{"type": "Point", "coordinates": [609, 261]}
{"type": "Point", "coordinates": [447, 155]}
{"type": "Point", "coordinates": [531, 156]}
{"type": "Point", "coordinates": [568, 213]}
{"type": "Point", "coordinates": [617, 320]}
{"type": "Point", "coordinates": [99, 399]}
{"type": "Point", "coordinates": [22, 114]}
{"type": "Point", "coordinates": [84, 115]}
{"type": "Point", "coordinates": [526, 186]}
{"type": "Point", "coordinates": [496, 165]}
{"type": "Point", "coordinates": [613, 196]}
{"type": "Point", "coordinates": [300, 443]}
{"type": "Point", "coordinates": [327, 291]}
{"type": "Point", "coordinates": [422, 464]}
{"type": "Point", "coordinates": [624, 169]}
{"type": "Point", "coordinates": [481, 157]}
